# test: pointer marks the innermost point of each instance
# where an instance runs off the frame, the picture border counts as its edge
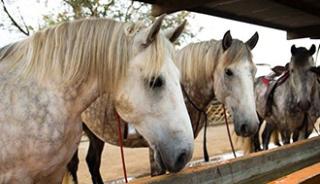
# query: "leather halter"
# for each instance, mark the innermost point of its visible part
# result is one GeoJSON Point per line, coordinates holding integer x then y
{"type": "Point", "coordinates": [228, 130]}
{"type": "Point", "coordinates": [200, 111]}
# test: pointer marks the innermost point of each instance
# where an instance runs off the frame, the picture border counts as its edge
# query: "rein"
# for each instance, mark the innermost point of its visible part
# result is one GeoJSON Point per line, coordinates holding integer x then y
{"type": "Point", "coordinates": [201, 111]}
{"type": "Point", "coordinates": [228, 130]}
{"type": "Point", "coordinates": [121, 146]}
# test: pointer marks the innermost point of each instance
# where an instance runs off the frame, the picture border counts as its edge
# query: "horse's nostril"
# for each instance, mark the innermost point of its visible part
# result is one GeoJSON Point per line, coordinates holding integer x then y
{"type": "Point", "coordinates": [182, 158]}
{"type": "Point", "coordinates": [180, 162]}
{"type": "Point", "coordinates": [244, 129]}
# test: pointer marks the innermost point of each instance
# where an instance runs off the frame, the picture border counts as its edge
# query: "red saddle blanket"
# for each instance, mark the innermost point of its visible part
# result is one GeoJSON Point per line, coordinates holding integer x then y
{"type": "Point", "coordinates": [265, 80]}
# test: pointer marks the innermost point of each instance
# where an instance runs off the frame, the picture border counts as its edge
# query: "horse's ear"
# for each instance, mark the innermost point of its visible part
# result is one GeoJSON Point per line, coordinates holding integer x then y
{"type": "Point", "coordinates": [226, 41]}
{"type": "Point", "coordinates": [174, 34]}
{"type": "Point", "coordinates": [154, 30]}
{"type": "Point", "coordinates": [312, 49]}
{"type": "Point", "coordinates": [293, 50]}
{"type": "Point", "coordinates": [252, 42]}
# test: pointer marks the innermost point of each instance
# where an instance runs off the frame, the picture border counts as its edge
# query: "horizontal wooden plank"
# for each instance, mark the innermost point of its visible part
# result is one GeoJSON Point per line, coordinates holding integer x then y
{"type": "Point", "coordinates": [254, 168]}
{"type": "Point", "coordinates": [301, 176]}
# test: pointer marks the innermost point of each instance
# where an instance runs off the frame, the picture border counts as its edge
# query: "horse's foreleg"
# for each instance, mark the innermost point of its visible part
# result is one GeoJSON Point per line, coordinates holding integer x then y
{"type": "Point", "coordinates": [155, 169]}
{"type": "Point", "coordinates": [256, 142]}
{"type": "Point", "coordinates": [276, 138]}
{"type": "Point", "coordinates": [295, 136]}
{"type": "Point", "coordinates": [94, 156]}
{"type": "Point", "coordinates": [307, 134]}
{"type": "Point", "coordinates": [73, 167]}
{"type": "Point", "coordinates": [266, 134]}
{"type": "Point", "coordinates": [285, 135]}
{"type": "Point", "coordinates": [309, 129]}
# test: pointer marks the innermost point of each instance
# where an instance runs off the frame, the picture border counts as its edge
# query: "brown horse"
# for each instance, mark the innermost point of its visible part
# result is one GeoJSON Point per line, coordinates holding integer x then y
{"type": "Point", "coordinates": [293, 107]}
{"type": "Point", "coordinates": [223, 69]}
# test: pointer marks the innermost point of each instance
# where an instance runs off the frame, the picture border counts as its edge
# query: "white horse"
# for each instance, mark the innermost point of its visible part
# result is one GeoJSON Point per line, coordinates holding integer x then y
{"type": "Point", "coordinates": [49, 79]}
{"type": "Point", "coordinates": [222, 68]}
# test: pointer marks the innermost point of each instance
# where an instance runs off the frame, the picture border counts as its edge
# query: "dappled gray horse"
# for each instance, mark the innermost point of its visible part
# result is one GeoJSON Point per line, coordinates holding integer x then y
{"type": "Point", "coordinates": [50, 78]}
{"type": "Point", "coordinates": [293, 107]}
{"type": "Point", "coordinates": [223, 69]}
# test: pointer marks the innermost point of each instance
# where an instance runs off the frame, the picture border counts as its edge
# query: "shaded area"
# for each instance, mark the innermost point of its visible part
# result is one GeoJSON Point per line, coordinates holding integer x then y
{"type": "Point", "coordinates": [300, 18]}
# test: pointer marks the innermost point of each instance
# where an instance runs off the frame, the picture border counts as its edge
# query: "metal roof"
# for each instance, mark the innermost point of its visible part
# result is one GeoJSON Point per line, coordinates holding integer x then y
{"type": "Point", "coordinates": [300, 18]}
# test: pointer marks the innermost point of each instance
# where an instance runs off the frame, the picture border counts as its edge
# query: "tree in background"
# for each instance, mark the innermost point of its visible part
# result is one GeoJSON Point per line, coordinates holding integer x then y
{"type": "Point", "coordinates": [124, 10]}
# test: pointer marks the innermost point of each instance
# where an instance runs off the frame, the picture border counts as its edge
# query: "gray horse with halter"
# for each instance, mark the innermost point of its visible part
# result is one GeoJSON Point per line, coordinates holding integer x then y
{"type": "Point", "coordinates": [212, 69]}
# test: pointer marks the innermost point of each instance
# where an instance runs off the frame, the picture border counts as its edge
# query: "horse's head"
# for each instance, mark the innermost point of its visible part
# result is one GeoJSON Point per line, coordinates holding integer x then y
{"type": "Point", "coordinates": [151, 98]}
{"type": "Point", "coordinates": [302, 77]}
{"type": "Point", "coordinates": [234, 83]}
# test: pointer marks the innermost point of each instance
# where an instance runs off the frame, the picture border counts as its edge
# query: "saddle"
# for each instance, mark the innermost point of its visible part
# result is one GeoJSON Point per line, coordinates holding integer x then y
{"type": "Point", "coordinates": [279, 76]}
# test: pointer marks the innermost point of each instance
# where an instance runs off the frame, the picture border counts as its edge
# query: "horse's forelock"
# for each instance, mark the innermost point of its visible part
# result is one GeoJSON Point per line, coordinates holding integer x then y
{"type": "Point", "coordinates": [197, 61]}
{"type": "Point", "coordinates": [237, 52]}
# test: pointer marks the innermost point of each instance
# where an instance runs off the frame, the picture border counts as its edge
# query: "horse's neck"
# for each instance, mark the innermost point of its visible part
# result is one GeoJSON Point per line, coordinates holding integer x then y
{"type": "Point", "coordinates": [199, 92]}
{"type": "Point", "coordinates": [199, 96]}
{"type": "Point", "coordinates": [282, 95]}
{"type": "Point", "coordinates": [285, 111]}
{"type": "Point", "coordinates": [80, 97]}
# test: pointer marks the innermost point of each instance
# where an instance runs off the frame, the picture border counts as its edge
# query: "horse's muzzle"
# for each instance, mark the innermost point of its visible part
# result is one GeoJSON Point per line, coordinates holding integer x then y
{"type": "Point", "coordinates": [175, 161]}
{"type": "Point", "coordinates": [246, 129]}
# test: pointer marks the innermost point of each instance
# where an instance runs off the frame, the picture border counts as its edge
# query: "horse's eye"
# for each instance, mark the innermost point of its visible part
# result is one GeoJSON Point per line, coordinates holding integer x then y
{"type": "Point", "coordinates": [228, 72]}
{"type": "Point", "coordinates": [156, 82]}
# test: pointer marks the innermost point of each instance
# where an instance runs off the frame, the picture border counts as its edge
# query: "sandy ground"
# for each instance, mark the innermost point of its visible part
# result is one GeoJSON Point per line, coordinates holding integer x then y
{"type": "Point", "coordinates": [137, 159]}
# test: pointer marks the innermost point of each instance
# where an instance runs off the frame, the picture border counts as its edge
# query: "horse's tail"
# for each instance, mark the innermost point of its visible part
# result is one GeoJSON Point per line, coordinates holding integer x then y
{"type": "Point", "coordinates": [244, 143]}
{"type": "Point", "coordinates": [68, 179]}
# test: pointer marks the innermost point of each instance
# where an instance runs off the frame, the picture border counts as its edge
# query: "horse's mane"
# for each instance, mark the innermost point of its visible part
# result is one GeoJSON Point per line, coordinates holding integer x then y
{"type": "Point", "coordinates": [79, 50]}
{"type": "Point", "coordinates": [197, 61]}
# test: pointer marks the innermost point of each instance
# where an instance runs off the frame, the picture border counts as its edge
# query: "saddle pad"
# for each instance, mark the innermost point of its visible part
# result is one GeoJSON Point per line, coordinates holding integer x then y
{"type": "Point", "coordinates": [265, 80]}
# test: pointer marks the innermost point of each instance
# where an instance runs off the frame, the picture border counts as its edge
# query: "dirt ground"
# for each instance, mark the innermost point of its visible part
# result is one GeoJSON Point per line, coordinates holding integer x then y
{"type": "Point", "coordinates": [137, 159]}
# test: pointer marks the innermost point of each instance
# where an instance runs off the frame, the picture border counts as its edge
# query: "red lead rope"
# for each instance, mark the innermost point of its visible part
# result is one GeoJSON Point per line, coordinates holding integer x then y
{"type": "Point", "coordinates": [227, 125]}
{"type": "Point", "coordinates": [121, 146]}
